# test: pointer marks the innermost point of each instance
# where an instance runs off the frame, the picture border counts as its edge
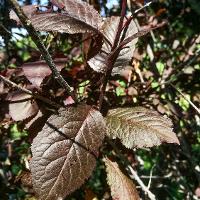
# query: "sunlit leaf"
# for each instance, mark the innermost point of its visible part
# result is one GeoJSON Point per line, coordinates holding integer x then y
{"type": "Point", "coordinates": [16, 134]}
{"type": "Point", "coordinates": [64, 152]}
{"type": "Point", "coordinates": [184, 103]}
{"type": "Point", "coordinates": [99, 62]}
{"type": "Point", "coordinates": [160, 66]}
{"type": "Point", "coordinates": [21, 106]}
{"type": "Point", "coordinates": [75, 17]}
{"type": "Point", "coordinates": [139, 127]}
{"type": "Point", "coordinates": [122, 188]}
{"type": "Point", "coordinates": [35, 72]}
{"type": "Point", "coordinates": [29, 11]}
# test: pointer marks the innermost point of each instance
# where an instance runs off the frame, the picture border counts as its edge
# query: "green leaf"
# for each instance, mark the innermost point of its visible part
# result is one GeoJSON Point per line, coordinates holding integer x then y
{"type": "Point", "coordinates": [154, 84]}
{"type": "Point", "coordinates": [120, 91]}
{"type": "Point", "coordinates": [147, 165]}
{"type": "Point", "coordinates": [184, 103]}
{"type": "Point", "coordinates": [160, 66]}
{"type": "Point", "coordinates": [15, 134]}
{"type": "Point", "coordinates": [81, 87]}
{"type": "Point", "coordinates": [25, 55]}
{"type": "Point", "coordinates": [16, 169]}
{"type": "Point", "coordinates": [22, 148]}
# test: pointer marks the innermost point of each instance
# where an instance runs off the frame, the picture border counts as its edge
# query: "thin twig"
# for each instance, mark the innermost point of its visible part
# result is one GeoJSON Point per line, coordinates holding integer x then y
{"type": "Point", "coordinates": [5, 29]}
{"type": "Point", "coordinates": [140, 33]}
{"type": "Point", "coordinates": [150, 178]}
{"type": "Point", "coordinates": [146, 5]}
{"type": "Point", "coordinates": [137, 178]}
{"type": "Point", "coordinates": [187, 99]}
{"type": "Point", "coordinates": [37, 96]}
{"type": "Point", "coordinates": [182, 66]}
{"type": "Point", "coordinates": [40, 45]}
{"type": "Point", "coordinates": [142, 8]}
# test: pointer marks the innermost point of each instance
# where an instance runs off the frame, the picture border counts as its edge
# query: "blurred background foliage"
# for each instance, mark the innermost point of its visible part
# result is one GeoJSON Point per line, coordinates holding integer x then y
{"type": "Point", "coordinates": [164, 75]}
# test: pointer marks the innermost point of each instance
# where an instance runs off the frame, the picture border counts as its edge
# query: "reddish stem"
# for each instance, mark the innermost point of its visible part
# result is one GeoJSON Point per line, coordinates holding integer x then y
{"type": "Point", "coordinates": [120, 26]}
{"type": "Point", "coordinates": [113, 56]}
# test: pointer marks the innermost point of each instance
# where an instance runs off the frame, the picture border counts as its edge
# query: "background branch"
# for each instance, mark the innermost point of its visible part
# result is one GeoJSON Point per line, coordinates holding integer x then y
{"type": "Point", "coordinates": [187, 99]}
{"type": "Point", "coordinates": [40, 45]}
{"type": "Point", "coordinates": [37, 96]}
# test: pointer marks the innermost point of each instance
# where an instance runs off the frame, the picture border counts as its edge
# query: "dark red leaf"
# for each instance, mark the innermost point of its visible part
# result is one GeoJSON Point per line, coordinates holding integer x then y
{"type": "Point", "coordinates": [21, 106]}
{"type": "Point", "coordinates": [25, 178]}
{"type": "Point", "coordinates": [59, 3]}
{"type": "Point", "coordinates": [29, 10]}
{"type": "Point", "coordinates": [64, 152]}
{"type": "Point", "coordinates": [75, 17]}
{"type": "Point", "coordinates": [68, 101]}
{"type": "Point", "coordinates": [36, 124]}
{"type": "Point", "coordinates": [99, 62]}
{"type": "Point", "coordinates": [3, 88]}
{"type": "Point", "coordinates": [35, 72]}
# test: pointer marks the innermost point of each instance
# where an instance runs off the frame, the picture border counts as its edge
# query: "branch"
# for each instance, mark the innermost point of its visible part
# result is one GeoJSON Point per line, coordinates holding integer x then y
{"type": "Point", "coordinates": [14, 85]}
{"type": "Point", "coordinates": [179, 68]}
{"type": "Point", "coordinates": [145, 188]}
{"type": "Point", "coordinates": [37, 40]}
{"type": "Point", "coordinates": [187, 99]}
{"type": "Point", "coordinates": [143, 7]}
{"type": "Point", "coordinates": [131, 18]}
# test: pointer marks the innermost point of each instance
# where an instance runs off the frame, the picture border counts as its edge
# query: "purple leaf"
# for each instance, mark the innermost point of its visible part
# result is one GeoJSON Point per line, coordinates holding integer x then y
{"type": "Point", "coordinates": [122, 188]}
{"type": "Point", "coordinates": [99, 62]}
{"type": "Point", "coordinates": [75, 17]}
{"type": "Point", "coordinates": [35, 72]}
{"type": "Point", "coordinates": [64, 152]}
{"type": "Point", "coordinates": [139, 127]}
{"type": "Point", "coordinates": [21, 106]}
{"type": "Point", "coordinates": [29, 11]}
